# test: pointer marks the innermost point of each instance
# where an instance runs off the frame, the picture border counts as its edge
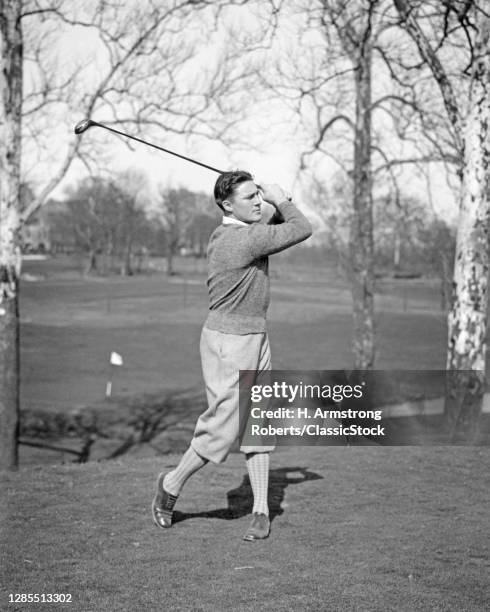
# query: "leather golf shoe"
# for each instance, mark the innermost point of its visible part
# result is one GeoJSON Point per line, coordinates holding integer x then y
{"type": "Point", "coordinates": [259, 528]}
{"type": "Point", "coordinates": [162, 506]}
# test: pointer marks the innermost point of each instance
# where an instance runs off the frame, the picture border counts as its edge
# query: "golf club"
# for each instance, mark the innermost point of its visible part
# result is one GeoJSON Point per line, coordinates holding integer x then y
{"type": "Point", "coordinates": [84, 125]}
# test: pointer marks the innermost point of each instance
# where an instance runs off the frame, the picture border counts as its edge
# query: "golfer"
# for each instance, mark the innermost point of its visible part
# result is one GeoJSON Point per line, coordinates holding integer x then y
{"type": "Point", "coordinates": [234, 336]}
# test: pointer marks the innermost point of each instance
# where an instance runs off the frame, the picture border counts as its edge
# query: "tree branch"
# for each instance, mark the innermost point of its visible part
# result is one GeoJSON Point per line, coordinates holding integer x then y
{"type": "Point", "coordinates": [428, 54]}
{"type": "Point", "coordinates": [323, 131]}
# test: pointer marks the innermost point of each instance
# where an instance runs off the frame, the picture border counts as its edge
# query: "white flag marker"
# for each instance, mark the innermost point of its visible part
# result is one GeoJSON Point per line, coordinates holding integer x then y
{"type": "Point", "coordinates": [115, 360]}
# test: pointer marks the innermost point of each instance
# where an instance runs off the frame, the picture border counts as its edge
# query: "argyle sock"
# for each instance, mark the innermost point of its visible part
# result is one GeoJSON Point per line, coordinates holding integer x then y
{"type": "Point", "coordinates": [258, 472]}
{"type": "Point", "coordinates": [190, 463]}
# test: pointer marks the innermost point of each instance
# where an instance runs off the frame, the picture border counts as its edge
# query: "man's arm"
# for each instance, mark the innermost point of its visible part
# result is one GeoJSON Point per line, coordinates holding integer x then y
{"type": "Point", "coordinates": [276, 218]}
{"type": "Point", "coordinates": [270, 215]}
{"type": "Point", "coordinates": [268, 239]}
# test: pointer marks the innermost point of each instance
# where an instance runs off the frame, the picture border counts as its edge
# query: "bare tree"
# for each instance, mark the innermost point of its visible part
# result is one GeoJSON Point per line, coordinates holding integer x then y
{"type": "Point", "coordinates": [329, 83]}
{"type": "Point", "coordinates": [10, 153]}
{"type": "Point", "coordinates": [355, 32]}
{"type": "Point", "coordinates": [202, 224]}
{"type": "Point", "coordinates": [176, 211]}
{"type": "Point", "coordinates": [439, 246]}
{"type": "Point", "coordinates": [133, 227]}
{"type": "Point", "coordinates": [147, 76]}
{"type": "Point", "coordinates": [467, 320]}
{"type": "Point", "coordinates": [104, 217]}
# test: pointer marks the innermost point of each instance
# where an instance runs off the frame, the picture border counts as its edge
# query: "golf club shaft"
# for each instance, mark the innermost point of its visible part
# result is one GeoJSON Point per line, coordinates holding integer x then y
{"type": "Point", "coordinates": [189, 159]}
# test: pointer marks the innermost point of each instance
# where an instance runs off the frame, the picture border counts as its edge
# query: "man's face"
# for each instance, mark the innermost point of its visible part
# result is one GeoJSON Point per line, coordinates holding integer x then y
{"type": "Point", "coordinates": [245, 203]}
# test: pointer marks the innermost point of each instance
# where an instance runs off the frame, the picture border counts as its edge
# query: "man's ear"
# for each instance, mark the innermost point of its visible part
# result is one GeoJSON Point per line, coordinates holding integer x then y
{"type": "Point", "coordinates": [226, 204]}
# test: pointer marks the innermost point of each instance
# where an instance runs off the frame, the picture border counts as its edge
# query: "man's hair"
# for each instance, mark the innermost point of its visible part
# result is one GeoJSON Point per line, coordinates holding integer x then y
{"type": "Point", "coordinates": [226, 184]}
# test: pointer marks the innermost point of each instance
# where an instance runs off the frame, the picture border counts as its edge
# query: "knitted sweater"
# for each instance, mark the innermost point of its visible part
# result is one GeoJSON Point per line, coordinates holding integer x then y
{"type": "Point", "coordinates": [238, 269]}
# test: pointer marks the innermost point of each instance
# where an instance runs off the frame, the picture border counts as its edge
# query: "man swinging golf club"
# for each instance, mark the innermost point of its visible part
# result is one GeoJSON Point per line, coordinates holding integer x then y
{"type": "Point", "coordinates": [234, 335]}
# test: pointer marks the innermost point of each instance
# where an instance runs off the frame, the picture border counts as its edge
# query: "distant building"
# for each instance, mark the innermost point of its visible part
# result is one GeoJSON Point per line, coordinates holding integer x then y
{"type": "Point", "coordinates": [35, 234]}
{"type": "Point", "coordinates": [41, 233]}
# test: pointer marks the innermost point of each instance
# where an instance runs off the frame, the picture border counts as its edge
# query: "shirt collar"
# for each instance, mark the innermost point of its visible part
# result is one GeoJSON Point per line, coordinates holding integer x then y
{"type": "Point", "coordinates": [232, 221]}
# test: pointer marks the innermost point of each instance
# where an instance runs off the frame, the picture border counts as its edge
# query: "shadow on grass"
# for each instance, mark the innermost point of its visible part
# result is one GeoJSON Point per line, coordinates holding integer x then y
{"type": "Point", "coordinates": [240, 500]}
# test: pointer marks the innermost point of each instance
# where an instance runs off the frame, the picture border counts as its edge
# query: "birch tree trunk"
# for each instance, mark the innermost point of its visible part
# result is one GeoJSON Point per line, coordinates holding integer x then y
{"type": "Point", "coordinates": [10, 149]}
{"type": "Point", "coordinates": [467, 319]}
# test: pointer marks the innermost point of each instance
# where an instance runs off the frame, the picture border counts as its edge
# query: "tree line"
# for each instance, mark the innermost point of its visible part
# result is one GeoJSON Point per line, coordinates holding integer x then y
{"type": "Point", "coordinates": [118, 225]}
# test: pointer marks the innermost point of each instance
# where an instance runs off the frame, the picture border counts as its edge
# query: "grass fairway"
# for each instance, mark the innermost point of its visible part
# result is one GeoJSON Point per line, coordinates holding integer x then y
{"type": "Point", "coordinates": [365, 529]}
{"type": "Point", "coordinates": [354, 528]}
{"type": "Point", "coordinates": [70, 325]}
